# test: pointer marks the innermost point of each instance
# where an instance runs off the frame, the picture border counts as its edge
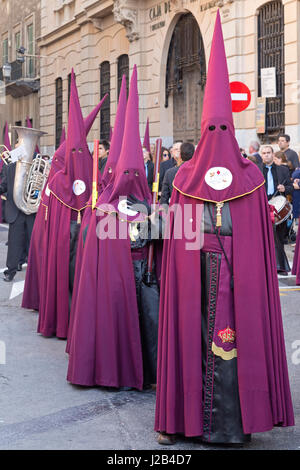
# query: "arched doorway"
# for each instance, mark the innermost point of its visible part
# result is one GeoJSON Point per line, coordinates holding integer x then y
{"type": "Point", "coordinates": [185, 78]}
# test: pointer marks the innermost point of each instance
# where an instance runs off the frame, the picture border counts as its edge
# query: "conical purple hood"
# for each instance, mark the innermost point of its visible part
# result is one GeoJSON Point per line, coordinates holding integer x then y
{"type": "Point", "coordinates": [217, 172]}
{"type": "Point", "coordinates": [217, 98]}
{"type": "Point", "coordinates": [72, 185]}
{"type": "Point", "coordinates": [146, 142]}
{"type": "Point", "coordinates": [59, 156]}
{"type": "Point", "coordinates": [63, 136]}
{"type": "Point", "coordinates": [130, 176]}
{"type": "Point", "coordinates": [117, 138]}
{"type": "Point", "coordinates": [89, 120]}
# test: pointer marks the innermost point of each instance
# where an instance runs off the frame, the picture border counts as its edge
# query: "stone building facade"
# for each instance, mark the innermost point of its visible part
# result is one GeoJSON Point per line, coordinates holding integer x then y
{"type": "Point", "coordinates": [170, 43]}
{"type": "Point", "coordinates": [20, 26]}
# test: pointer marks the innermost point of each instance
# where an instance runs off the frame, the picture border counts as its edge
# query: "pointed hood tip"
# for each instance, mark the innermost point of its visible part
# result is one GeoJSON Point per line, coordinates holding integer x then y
{"type": "Point", "coordinates": [117, 136]}
{"type": "Point", "coordinates": [132, 137]}
{"type": "Point", "coordinates": [90, 119]}
{"type": "Point", "coordinates": [76, 129]}
{"type": "Point", "coordinates": [217, 98]}
{"type": "Point", "coordinates": [133, 181]}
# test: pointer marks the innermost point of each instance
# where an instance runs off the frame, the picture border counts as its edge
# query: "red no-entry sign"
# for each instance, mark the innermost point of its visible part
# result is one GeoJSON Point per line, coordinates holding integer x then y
{"type": "Point", "coordinates": [240, 95]}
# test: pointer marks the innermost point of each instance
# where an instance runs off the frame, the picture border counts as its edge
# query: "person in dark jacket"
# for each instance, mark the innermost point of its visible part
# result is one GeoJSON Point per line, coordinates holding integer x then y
{"type": "Point", "coordinates": [20, 224]}
{"type": "Point", "coordinates": [149, 167]}
{"type": "Point", "coordinates": [186, 152]}
{"type": "Point", "coordinates": [104, 146]}
{"type": "Point", "coordinates": [292, 156]}
{"type": "Point", "coordinates": [277, 182]}
{"type": "Point", "coordinates": [254, 151]}
{"type": "Point", "coordinates": [166, 165]}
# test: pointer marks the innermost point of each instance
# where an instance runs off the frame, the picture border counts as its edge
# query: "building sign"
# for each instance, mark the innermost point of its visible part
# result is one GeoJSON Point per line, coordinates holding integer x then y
{"type": "Point", "coordinates": [208, 5]}
{"type": "Point", "coordinates": [156, 13]}
{"type": "Point", "coordinates": [268, 82]}
{"type": "Point", "coordinates": [261, 115]}
{"type": "Point", "coordinates": [158, 10]}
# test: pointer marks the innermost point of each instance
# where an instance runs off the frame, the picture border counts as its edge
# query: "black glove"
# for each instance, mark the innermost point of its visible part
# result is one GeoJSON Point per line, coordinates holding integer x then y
{"type": "Point", "coordinates": [133, 201]}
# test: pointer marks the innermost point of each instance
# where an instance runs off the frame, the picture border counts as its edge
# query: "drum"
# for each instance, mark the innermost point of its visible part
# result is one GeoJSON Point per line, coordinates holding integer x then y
{"type": "Point", "coordinates": [283, 209]}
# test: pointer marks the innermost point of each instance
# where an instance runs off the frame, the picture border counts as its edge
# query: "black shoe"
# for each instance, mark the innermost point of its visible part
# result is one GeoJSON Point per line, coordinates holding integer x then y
{"type": "Point", "coordinates": [8, 277]}
{"type": "Point", "coordinates": [166, 439]}
{"type": "Point", "coordinates": [19, 268]}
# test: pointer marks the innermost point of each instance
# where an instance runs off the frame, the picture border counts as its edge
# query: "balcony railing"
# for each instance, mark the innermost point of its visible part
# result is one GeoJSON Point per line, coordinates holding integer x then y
{"type": "Point", "coordinates": [24, 77]}
{"type": "Point", "coordinates": [28, 69]}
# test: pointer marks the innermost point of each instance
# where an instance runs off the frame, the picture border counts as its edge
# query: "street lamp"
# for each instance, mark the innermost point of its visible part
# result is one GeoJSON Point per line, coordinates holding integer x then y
{"type": "Point", "coordinates": [6, 70]}
{"type": "Point", "coordinates": [21, 58]}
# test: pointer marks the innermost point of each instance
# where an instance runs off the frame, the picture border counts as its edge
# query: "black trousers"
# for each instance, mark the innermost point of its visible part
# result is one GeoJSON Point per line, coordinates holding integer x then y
{"type": "Point", "coordinates": [281, 257]}
{"type": "Point", "coordinates": [148, 306]}
{"type": "Point", "coordinates": [19, 234]}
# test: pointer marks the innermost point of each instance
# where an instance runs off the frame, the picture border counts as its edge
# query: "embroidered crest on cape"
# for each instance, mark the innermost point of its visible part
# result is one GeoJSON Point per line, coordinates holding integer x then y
{"type": "Point", "coordinates": [227, 336]}
{"type": "Point", "coordinates": [122, 207]}
{"type": "Point", "coordinates": [79, 187]}
{"type": "Point", "coordinates": [218, 178]}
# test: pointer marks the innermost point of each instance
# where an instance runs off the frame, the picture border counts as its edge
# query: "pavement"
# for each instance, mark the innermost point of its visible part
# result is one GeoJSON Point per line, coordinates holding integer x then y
{"type": "Point", "coordinates": [40, 410]}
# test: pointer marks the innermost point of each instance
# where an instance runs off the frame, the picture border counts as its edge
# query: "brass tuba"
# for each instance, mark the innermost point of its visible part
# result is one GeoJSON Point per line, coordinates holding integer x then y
{"type": "Point", "coordinates": [5, 155]}
{"type": "Point", "coordinates": [31, 175]}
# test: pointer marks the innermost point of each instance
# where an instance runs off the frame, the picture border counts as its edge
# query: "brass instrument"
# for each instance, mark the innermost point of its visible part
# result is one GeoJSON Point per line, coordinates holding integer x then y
{"type": "Point", "coordinates": [31, 175]}
{"type": "Point", "coordinates": [6, 157]}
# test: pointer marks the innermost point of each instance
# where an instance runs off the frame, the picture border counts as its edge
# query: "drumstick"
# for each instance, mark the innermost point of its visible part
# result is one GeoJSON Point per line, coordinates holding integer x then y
{"type": "Point", "coordinates": [275, 194]}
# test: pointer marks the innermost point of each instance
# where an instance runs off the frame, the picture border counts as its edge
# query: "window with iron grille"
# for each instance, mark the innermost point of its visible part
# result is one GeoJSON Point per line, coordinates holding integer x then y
{"type": "Point", "coordinates": [58, 110]}
{"type": "Point", "coordinates": [271, 54]}
{"type": "Point", "coordinates": [123, 69]}
{"type": "Point", "coordinates": [105, 108]}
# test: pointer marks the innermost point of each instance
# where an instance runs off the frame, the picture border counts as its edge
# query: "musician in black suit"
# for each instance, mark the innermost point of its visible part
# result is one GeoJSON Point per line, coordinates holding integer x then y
{"type": "Point", "coordinates": [277, 182]}
{"type": "Point", "coordinates": [20, 224]}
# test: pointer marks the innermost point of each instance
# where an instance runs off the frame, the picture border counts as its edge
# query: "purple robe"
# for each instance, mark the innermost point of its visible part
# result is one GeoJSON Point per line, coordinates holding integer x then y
{"type": "Point", "coordinates": [54, 303]}
{"type": "Point", "coordinates": [68, 193]}
{"type": "Point", "coordinates": [105, 347]}
{"type": "Point", "coordinates": [263, 382]}
{"type": "Point", "coordinates": [31, 295]}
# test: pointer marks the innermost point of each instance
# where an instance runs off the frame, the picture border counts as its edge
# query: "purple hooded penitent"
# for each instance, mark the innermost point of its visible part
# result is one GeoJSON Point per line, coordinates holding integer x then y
{"type": "Point", "coordinates": [68, 194]}
{"type": "Point", "coordinates": [130, 176]}
{"type": "Point", "coordinates": [31, 295]}
{"type": "Point", "coordinates": [248, 322]}
{"type": "Point", "coordinates": [105, 345]}
{"type": "Point", "coordinates": [88, 230]}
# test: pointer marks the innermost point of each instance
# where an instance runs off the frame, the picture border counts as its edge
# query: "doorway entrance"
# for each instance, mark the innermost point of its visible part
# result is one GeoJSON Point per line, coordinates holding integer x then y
{"type": "Point", "coordinates": [186, 78]}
